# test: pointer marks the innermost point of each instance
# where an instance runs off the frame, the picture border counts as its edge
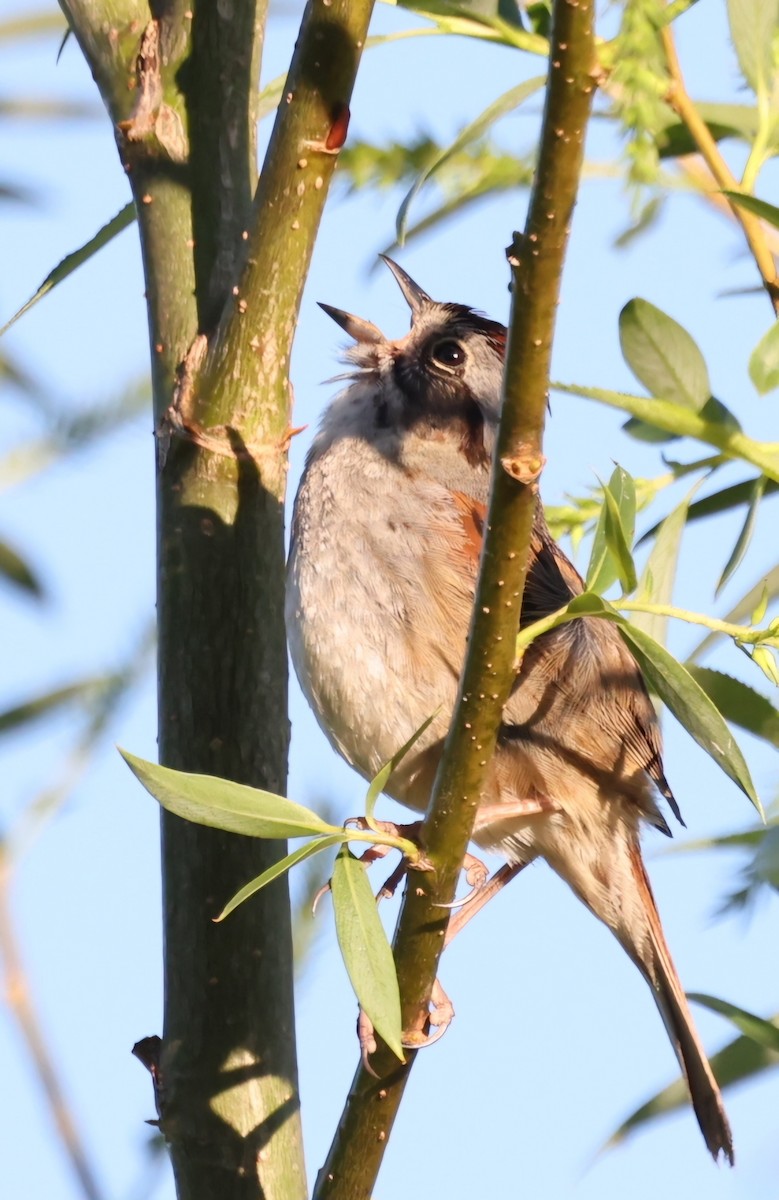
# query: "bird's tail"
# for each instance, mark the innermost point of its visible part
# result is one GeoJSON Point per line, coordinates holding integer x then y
{"type": "Point", "coordinates": [648, 949]}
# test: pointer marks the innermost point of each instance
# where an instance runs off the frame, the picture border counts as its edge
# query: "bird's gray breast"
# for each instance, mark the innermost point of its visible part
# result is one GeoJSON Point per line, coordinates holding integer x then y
{"type": "Point", "coordinates": [361, 621]}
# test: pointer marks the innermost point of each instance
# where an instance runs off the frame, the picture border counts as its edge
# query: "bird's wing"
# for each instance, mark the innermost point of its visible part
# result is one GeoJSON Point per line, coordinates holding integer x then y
{"type": "Point", "coordinates": [579, 689]}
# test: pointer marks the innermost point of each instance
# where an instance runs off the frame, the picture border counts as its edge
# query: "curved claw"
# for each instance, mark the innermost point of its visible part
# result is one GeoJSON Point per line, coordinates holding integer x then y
{"type": "Point", "coordinates": [325, 888]}
{"type": "Point", "coordinates": [477, 875]}
{"type": "Point", "coordinates": [367, 1040]}
{"type": "Point", "coordinates": [440, 1016]}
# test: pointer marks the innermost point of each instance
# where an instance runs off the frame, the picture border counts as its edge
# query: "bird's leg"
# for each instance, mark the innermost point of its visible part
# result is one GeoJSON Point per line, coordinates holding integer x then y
{"type": "Point", "coordinates": [441, 1011]}
{"type": "Point", "coordinates": [441, 1008]}
{"type": "Point", "coordinates": [479, 898]}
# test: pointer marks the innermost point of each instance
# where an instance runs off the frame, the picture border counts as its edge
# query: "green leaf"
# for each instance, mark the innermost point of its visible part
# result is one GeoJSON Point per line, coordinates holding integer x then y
{"type": "Point", "coordinates": [662, 355]}
{"type": "Point", "coordinates": [490, 172]}
{"type": "Point", "coordinates": [620, 528]}
{"type": "Point", "coordinates": [745, 536]}
{"type": "Point", "coordinates": [767, 212]}
{"type": "Point", "coordinates": [710, 426]}
{"type": "Point", "coordinates": [739, 703]}
{"type": "Point", "coordinates": [641, 432]}
{"type": "Point", "coordinates": [223, 804]}
{"type": "Point", "coordinates": [768, 586]}
{"type": "Point", "coordinates": [758, 613]}
{"type": "Point", "coordinates": [764, 362]}
{"type": "Point", "coordinates": [379, 782]}
{"type": "Point", "coordinates": [365, 949]}
{"type": "Point", "coordinates": [721, 501]}
{"type": "Point", "coordinates": [744, 840]}
{"type": "Point", "coordinates": [470, 133]}
{"type": "Point", "coordinates": [761, 871]}
{"type": "Point", "coordinates": [48, 702]}
{"type": "Point", "coordinates": [478, 21]}
{"type": "Point", "coordinates": [589, 604]}
{"type": "Point", "coordinates": [645, 220]}
{"type": "Point", "coordinates": [72, 261]}
{"type": "Point", "coordinates": [764, 868]}
{"type": "Point", "coordinates": [753, 28]}
{"type": "Point", "coordinates": [763, 658]}
{"type": "Point", "coordinates": [677, 140]}
{"type": "Point", "coordinates": [31, 25]}
{"type": "Point", "coordinates": [688, 702]}
{"type": "Point", "coordinates": [758, 1030]}
{"type": "Point", "coordinates": [611, 556]}
{"type": "Point", "coordinates": [17, 571]}
{"type": "Point", "coordinates": [657, 579]}
{"type": "Point", "coordinates": [741, 1059]}
{"type": "Point", "coordinates": [284, 864]}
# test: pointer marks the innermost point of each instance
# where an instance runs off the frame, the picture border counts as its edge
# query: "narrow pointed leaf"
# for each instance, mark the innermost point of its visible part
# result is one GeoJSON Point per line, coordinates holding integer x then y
{"type": "Point", "coordinates": [470, 133]}
{"type": "Point", "coordinates": [765, 864]}
{"type": "Point", "coordinates": [744, 840]}
{"type": "Point", "coordinates": [17, 571]}
{"type": "Point", "coordinates": [739, 703]}
{"type": "Point", "coordinates": [496, 173]}
{"type": "Point", "coordinates": [611, 556]}
{"type": "Point", "coordinates": [711, 427]}
{"type": "Point", "coordinates": [741, 1059]}
{"type": "Point", "coordinates": [365, 949]}
{"type": "Point", "coordinates": [763, 657]}
{"type": "Point", "coordinates": [745, 536]}
{"type": "Point", "coordinates": [31, 25]}
{"type": "Point", "coordinates": [764, 361]}
{"type": "Point", "coordinates": [722, 501]}
{"type": "Point", "coordinates": [470, 20]}
{"type": "Point", "coordinates": [379, 782]}
{"type": "Point", "coordinates": [589, 604]}
{"type": "Point", "coordinates": [315, 846]}
{"type": "Point", "coordinates": [642, 432]}
{"type": "Point", "coordinates": [767, 212]}
{"type": "Point", "coordinates": [657, 579]}
{"type": "Point", "coordinates": [71, 262]}
{"type": "Point", "coordinates": [741, 610]}
{"type": "Point", "coordinates": [758, 613]}
{"type": "Point", "coordinates": [620, 527]}
{"type": "Point", "coordinates": [662, 355]}
{"type": "Point", "coordinates": [223, 804]}
{"type": "Point", "coordinates": [688, 702]}
{"type": "Point", "coordinates": [49, 702]}
{"type": "Point", "coordinates": [765, 1033]}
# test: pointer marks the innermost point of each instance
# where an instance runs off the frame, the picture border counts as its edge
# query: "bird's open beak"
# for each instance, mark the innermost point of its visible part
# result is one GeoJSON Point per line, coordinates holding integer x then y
{"type": "Point", "coordinates": [358, 328]}
{"type": "Point", "coordinates": [412, 292]}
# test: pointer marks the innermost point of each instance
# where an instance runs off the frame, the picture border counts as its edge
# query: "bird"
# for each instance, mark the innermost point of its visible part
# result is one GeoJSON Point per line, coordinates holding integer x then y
{"type": "Point", "coordinates": [386, 535]}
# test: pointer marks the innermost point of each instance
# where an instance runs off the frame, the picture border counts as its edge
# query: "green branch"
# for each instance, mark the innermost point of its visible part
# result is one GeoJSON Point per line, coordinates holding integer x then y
{"type": "Point", "coordinates": [745, 634]}
{"type": "Point", "coordinates": [227, 43]}
{"type": "Point", "coordinates": [537, 261]}
{"type": "Point", "coordinates": [180, 87]}
{"type": "Point", "coordinates": [249, 357]}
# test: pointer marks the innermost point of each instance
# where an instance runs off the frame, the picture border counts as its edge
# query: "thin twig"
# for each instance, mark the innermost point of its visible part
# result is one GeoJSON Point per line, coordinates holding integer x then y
{"type": "Point", "coordinates": [19, 1000]}
{"type": "Point", "coordinates": [682, 104]}
{"type": "Point", "coordinates": [704, 183]}
{"type": "Point", "coordinates": [537, 260]}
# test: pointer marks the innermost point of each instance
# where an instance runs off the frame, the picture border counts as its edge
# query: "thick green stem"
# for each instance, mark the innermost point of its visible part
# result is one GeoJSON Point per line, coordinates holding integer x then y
{"type": "Point", "coordinates": [537, 260]}
{"type": "Point", "coordinates": [227, 1078]}
{"type": "Point", "coordinates": [250, 354]}
{"type": "Point", "coordinates": [221, 74]}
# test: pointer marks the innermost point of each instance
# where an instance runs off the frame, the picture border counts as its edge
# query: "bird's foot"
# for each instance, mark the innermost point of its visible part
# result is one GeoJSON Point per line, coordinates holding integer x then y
{"type": "Point", "coordinates": [439, 1017]}
{"type": "Point", "coordinates": [433, 1027]}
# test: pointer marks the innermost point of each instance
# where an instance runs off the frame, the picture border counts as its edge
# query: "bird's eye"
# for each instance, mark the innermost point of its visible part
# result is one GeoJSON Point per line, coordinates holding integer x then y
{"type": "Point", "coordinates": [448, 353]}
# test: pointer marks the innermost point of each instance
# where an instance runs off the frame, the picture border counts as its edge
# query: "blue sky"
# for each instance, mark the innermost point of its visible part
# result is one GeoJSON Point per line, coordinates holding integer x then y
{"type": "Point", "coordinates": [556, 1037]}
